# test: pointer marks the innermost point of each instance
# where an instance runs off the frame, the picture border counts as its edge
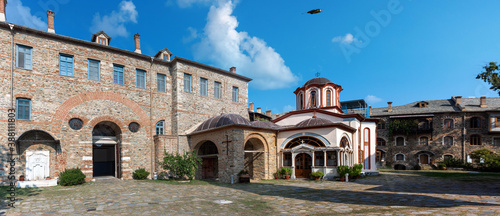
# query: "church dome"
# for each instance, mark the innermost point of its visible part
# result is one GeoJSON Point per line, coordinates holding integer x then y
{"type": "Point", "coordinates": [222, 120]}
{"type": "Point", "coordinates": [314, 122]}
{"type": "Point", "coordinates": [265, 124]}
{"type": "Point", "coordinates": [317, 81]}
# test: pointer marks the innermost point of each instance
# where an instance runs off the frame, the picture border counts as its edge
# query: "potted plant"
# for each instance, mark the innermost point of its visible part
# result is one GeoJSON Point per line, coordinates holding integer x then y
{"type": "Point", "coordinates": [286, 172]}
{"type": "Point", "coordinates": [276, 175]}
{"type": "Point", "coordinates": [21, 178]}
{"type": "Point", "coordinates": [47, 178]}
{"type": "Point", "coordinates": [342, 170]}
{"type": "Point", "coordinates": [317, 175]}
{"type": "Point", "coordinates": [244, 176]}
{"type": "Point", "coordinates": [442, 166]}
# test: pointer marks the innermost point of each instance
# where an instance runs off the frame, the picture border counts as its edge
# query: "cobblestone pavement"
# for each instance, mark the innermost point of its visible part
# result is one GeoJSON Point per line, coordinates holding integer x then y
{"type": "Point", "coordinates": [398, 193]}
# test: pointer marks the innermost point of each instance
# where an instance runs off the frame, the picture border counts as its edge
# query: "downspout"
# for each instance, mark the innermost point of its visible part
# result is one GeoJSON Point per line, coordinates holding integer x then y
{"type": "Point", "coordinates": [153, 155]}
{"type": "Point", "coordinates": [12, 66]}
{"type": "Point", "coordinates": [463, 138]}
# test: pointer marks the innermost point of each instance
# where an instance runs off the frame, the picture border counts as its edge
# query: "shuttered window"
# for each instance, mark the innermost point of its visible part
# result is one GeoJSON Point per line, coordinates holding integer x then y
{"type": "Point", "coordinates": [65, 65]}
{"type": "Point", "coordinates": [217, 90]}
{"type": "Point", "coordinates": [24, 57]}
{"type": "Point", "coordinates": [161, 82]}
{"type": "Point", "coordinates": [23, 109]}
{"type": "Point", "coordinates": [203, 86]}
{"type": "Point", "coordinates": [94, 70]}
{"type": "Point", "coordinates": [118, 74]}
{"type": "Point", "coordinates": [140, 79]}
{"type": "Point", "coordinates": [187, 83]}
{"type": "Point", "coordinates": [235, 94]}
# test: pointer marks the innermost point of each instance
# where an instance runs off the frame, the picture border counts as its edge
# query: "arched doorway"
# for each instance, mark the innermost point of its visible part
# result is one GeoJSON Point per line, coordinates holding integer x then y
{"type": "Point", "coordinates": [255, 158]}
{"type": "Point", "coordinates": [106, 137]}
{"type": "Point", "coordinates": [38, 153]}
{"type": "Point", "coordinates": [209, 154]}
{"type": "Point", "coordinates": [303, 163]}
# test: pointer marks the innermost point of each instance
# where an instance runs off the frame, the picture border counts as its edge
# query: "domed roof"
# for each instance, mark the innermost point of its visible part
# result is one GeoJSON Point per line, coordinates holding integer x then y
{"type": "Point", "coordinates": [265, 124]}
{"type": "Point", "coordinates": [317, 80]}
{"type": "Point", "coordinates": [222, 120]}
{"type": "Point", "coordinates": [314, 122]}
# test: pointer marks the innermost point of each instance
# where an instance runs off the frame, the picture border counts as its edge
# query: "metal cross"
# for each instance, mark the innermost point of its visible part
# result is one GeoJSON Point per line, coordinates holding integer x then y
{"type": "Point", "coordinates": [317, 74]}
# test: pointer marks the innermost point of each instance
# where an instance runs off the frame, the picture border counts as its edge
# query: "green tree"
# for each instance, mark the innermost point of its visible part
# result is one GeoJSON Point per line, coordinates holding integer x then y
{"type": "Point", "coordinates": [182, 165]}
{"type": "Point", "coordinates": [490, 75]}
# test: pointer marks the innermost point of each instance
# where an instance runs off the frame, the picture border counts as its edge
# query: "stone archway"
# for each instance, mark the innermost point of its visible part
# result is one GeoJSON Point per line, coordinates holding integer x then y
{"type": "Point", "coordinates": [255, 158]}
{"type": "Point", "coordinates": [38, 153]}
{"type": "Point", "coordinates": [106, 139]}
{"type": "Point", "coordinates": [209, 154]}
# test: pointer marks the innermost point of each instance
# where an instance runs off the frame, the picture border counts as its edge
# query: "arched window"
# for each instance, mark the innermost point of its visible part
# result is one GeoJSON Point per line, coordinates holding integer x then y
{"type": "Point", "coordinates": [380, 142]}
{"type": "Point", "coordinates": [400, 141]}
{"type": "Point", "coordinates": [344, 142]}
{"type": "Point", "coordinates": [448, 140]}
{"type": "Point", "coordinates": [328, 98]}
{"type": "Point", "coordinates": [475, 139]}
{"type": "Point", "coordinates": [475, 122]}
{"type": "Point", "coordinates": [301, 101]}
{"type": "Point", "coordinates": [160, 127]}
{"type": "Point", "coordinates": [424, 140]}
{"type": "Point", "coordinates": [448, 123]}
{"type": "Point", "coordinates": [313, 99]}
{"type": "Point", "coordinates": [400, 157]}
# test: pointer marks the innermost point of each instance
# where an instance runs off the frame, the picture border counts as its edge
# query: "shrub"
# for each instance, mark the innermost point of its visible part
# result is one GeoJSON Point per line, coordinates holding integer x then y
{"type": "Point", "coordinates": [286, 171]}
{"type": "Point", "coordinates": [70, 177]}
{"type": "Point", "coordinates": [317, 174]}
{"type": "Point", "coordinates": [140, 174]}
{"type": "Point", "coordinates": [356, 170]}
{"type": "Point", "coordinates": [452, 162]}
{"type": "Point", "coordinates": [182, 165]}
{"type": "Point", "coordinates": [441, 166]}
{"type": "Point", "coordinates": [486, 160]}
{"type": "Point", "coordinates": [342, 170]}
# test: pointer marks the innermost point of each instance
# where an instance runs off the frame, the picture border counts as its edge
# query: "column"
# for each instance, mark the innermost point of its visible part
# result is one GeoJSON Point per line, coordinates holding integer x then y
{"type": "Point", "coordinates": [293, 165]}
{"type": "Point", "coordinates": [324, 157]}
{"type": "Point", "coordinates": [313, 159]}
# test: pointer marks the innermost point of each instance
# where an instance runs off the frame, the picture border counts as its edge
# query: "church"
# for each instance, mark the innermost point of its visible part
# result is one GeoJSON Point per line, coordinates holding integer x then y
{"type": "Point", "coordinates": [109, 111]}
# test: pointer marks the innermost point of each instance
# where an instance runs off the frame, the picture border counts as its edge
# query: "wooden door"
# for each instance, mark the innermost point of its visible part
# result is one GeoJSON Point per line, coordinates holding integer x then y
{"type": "Point", "coordinates": [303, 163]}
{"type": "Point", "coordinates": [208, 168]}
{"type": "Point", "coordinates": [424, 159]}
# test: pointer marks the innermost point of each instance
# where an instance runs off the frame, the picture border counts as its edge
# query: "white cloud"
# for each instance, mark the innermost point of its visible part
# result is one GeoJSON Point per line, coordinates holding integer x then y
{"type": "Point", "coordinates": [19, 14]}
{"type": "Point", "coordinates": [288, 108]}
{"type": "Point", "coordinates": [114, 23]}
{"type": "Point", "coordinates": [347, 39]}
{"type": "Point", "coordinates": [226, 47]}
{"type": "Point", "coordinates": [372, 99]}
{"type": "Point", "coordinates": [189, 3]}
{"type": "Point", "coordinates": [193, 34]}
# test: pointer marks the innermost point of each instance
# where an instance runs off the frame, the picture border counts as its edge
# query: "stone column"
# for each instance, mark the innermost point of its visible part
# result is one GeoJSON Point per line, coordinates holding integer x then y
{"type": "Point", "coordinates": [324, 157]}
{"type": "Point", "coordinates": [293, 164]}
{"type": "Point", "coordinates": [313, 159]}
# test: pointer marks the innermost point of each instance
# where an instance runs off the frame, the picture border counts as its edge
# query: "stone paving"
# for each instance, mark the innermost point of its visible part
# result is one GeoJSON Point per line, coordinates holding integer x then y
{"type": "Point", "coordinates": [392, 193]}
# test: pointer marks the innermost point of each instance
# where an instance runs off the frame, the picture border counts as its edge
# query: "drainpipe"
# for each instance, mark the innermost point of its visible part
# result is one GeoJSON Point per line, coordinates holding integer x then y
{"type": "Point", "coordinates": [12, 66]}
{"type": "Point", "coordinates": [463, 138]}
{"type": "Point", "coordinates": [153, 155]}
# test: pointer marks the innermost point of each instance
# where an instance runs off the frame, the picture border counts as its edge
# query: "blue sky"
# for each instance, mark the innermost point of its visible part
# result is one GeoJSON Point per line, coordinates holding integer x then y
{"type": "Point", "coordinates": [400, 51]}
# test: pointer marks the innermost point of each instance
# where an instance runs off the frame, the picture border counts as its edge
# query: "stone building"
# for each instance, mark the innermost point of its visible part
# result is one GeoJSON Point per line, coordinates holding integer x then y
{"type": "Point", "coordinates": [426, 132]}
{"type": "Point", "coordinates": [103, 109]}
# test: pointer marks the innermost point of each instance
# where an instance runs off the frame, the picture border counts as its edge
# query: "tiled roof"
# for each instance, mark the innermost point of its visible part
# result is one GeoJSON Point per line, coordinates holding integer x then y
{"type": "Point", "coordinates": [265, 124]}
{"type": "Point", "coordinates": [222, 120]}
{"type": "Point", "coordinates": [314, 121]}
{"type": "Point", "coordinates": [318, 80]}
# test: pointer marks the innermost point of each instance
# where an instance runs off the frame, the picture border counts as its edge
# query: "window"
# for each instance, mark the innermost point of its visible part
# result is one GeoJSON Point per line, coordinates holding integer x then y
{"type": "Point", "coordinates": [448, 140]}
{"type": "Point", "coordinates": [380, 142]}
{"type": "Point", "coordinates": [140, 78]}
{"type": "Point", "coordinates": [400, 157]}
{"type": "Point", "coordinates": [400, 141]}
{"type": "Point", "coordinates": [475, 122]}
{"type": "Point", "coordinates": [328, 97]}
{"type": "Point", "coordinates": [160, 127]}
{"type": "Point", "coordinates": [424, 125]}
{"type": "Point", "coordinates": [217, 90]}
{"type": "Point", "coordinates": [496, 141]}
{"type": "Point", "coordinates": [24, 57]}
{"type": "Point", "coordinates": [65, 65]}
{"type": "Point", "coordinates": [287, 159]}
{"type": "Point", "coordinates": [381, 125]}
{"type": "Point", "coordinates": [166, 57]}
{"type": "Point", "coordinates": [497, 121]}
{"type": "Point", "coordinates": [448, 123]}
{"type": "Point", "coordinates": [301, 102]}
{"type": "Point", "coordinates": [94, 70]}
{"type": "Point", "coordinates": [447, 157]}
{"type": "Point", "coordinates": [319, 158]}
{"type": "Point", "coordinates": [235, 94]}
{"type": "Point", "coordinates": [161, 82]}
{"type": "Point", "coordinates": [102, 41]}
{"type": "Point", "coordinates": [187, 83]}
{"type": "Point", "coordinates": [475, 139]}
{"type": "Point", "coordinates": [424, 140]}
{"type": "Point", "coordinates": [23, 109]}
{"type": "Point", "coordinates": [118, 74]}
{"type": "Point", "coordinates": [203, 86]}
{"type": "Point", "coordinates": [331, 158]}
{"type": "Point", "coordinates": [313, 99]}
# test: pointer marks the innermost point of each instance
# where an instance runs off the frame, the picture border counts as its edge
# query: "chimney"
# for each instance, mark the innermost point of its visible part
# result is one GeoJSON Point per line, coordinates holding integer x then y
{"type": "Point", "coordinates": [258, 109]}
{"type": "Point", "coordinates": [50, 17]}
{"type": "Point", "coordinates": [250, 107]}
{"type": "Point", "coordinates": [137, 39]}
{"type": "Point", "coordinates": [370, 110]}
{"type": "Point", "coordinates": [268, 113]}
{"type": "Point", "coordinates": [389, 108]}
{"type": "Point", "coordinates": [458, 100]}
{"type": "Point", "coordinates": [482, 102]}
{"type": "Point", "coordinates": [232, 69]}
{"type": "Point", "coordinates": [3, 4]}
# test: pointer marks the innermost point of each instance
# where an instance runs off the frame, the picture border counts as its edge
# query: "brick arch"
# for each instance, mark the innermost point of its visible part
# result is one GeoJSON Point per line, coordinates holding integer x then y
{"type": "Point", "coordinates": [68, 105]}
{"type": "Point", "coordinates": [198, 145]}
{"type": "Point", "coordinates": [259, 137]}
{"type": "Point", "coordinates": [99, 119]}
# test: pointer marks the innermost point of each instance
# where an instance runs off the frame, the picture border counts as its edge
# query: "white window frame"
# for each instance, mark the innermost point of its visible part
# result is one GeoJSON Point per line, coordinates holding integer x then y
{"type": "Point", "coordinates": [452, 140]}
{"type": "Point", "coordinates": [396, 141]}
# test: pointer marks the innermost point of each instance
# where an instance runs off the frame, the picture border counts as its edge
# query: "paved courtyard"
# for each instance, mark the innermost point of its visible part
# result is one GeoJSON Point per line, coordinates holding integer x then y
{"type": "Point", "coordinates": [391, 193]}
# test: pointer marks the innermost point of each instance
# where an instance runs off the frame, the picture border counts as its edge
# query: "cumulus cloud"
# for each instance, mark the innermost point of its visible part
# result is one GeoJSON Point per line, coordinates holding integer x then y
{"type": "Point", "coordinates": [114, 23]}
{"type": "Point", "coordinates": [347, 39]}
{"type": "Point", "coordinates": [372, 99]}
{"type": "Point", "coordinates": [189, 3]}
{"type": "Point", "coordinates": [19, 14]}
{"type": "Point", "coordinates": [288, 108]}
{"type": "Point", "coordinates": [193, 34]}
{"type": "Point", "coordinates": [222, 44]}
